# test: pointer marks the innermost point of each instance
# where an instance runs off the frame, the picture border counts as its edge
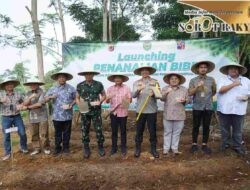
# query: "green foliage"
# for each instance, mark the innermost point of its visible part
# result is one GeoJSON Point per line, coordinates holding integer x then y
{"type": "Point", "coordinates": [123, 31]}
{"type": "Point", "coordinates": [5, 20]}
{"type": "Point", "coordinates": [90, 20]}
{"type": "Point", "coordinates": [71, 53]}
{"type": "Point", "coordinates": [165, 22]}
{"type": "Point", "coordinates": [171, 33]}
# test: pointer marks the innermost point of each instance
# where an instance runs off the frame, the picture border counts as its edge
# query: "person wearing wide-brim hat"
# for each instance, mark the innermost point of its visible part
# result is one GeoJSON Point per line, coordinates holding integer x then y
{"type": "Point", "coordinates": [174, 96]}
{"type": "Point", "coordinates": [116, 95]}
{"type": "Point", "coordinates": [146, 107]}
{"type": "Point", "coordinates": [64, 73]}
{"type": "Point", "coordinates": [232, 100]}
{"type": "Point", "coordinates": [38, 116]}
{"type": "Point", "coordinates": [11, 103]}
{"type": "Point", "coordinates": [92, 92]}
{"type": "Point", "coordinates": [195, 67]}
{"type": "Point", "coordinates": [7, 81]}
{"type": "Point", "coordinates": [202, 88]}
{"type": "Point", "coordinates": [139, 70]}
{"type": "Point", "coordinates": [63, 98]}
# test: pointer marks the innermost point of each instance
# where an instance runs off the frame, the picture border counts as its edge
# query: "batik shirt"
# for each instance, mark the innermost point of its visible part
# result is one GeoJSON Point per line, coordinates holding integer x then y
{"type": "Point", "coordinates": [203, 98]}
{"type": "Point", "coordinates": [39, 114]}
{"type": "Point", "coordinates": [9, 108]}
{"type": "Point", "coordinates": [65, 95]}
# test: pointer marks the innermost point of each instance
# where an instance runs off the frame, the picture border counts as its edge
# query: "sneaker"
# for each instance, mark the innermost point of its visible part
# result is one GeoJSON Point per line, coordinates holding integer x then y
{"type": "Point", "coordinates": [176, 152]}
{"type": "Point", "coordinates": [86, 152]}
{"type": "Point", "coordinates": [225, 148]}
{"type": "Point", "coordinates": [57, 152]}
{"type": "Point", "coordinates": [24, 151]}
{"type": "Point", "coordinates": [124, 151]}
{"type": "Point", "coordinates": [137, 150]}
{"type": "Point", "coordinates": [154, 152]}
{"type": "Point", "coordinates": [240, 152]}
{"type": "Point", "coordinates": [194, 148]}
{"type": "Point", "coordinates": [165, 152]}
{"type": "Point", "coordinates": [66, 151]}
{"type": "Point", "coordinates": [6, 157]}
{"type": "Point", "coordinates": [206, 149]}
{"type": "Point", "coordinates": [46, 151]}
{"type": "Point", "coordinates": [35, 152]}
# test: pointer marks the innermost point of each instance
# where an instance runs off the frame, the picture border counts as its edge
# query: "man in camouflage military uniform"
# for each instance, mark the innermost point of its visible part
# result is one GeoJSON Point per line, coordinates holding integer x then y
{"type": "Point", "coordinates": [93, 93]}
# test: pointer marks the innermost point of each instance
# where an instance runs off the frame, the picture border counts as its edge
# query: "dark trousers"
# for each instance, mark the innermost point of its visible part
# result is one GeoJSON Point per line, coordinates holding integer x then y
{"type": "Point", "coordinates": [150, 119]}
{"type": "Point", "coordinates": [115, 123]}
{"type": "Point", "coordinates": [201, 117]}
{"type": "Point", "coordinates": [62, 134]}
{"type": "Point", "coordinates": [226, 121]}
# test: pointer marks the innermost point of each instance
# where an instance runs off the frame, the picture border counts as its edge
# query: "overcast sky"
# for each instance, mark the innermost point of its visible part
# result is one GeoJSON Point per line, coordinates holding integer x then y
{"type": "Point", "coordinates": [15, 9]}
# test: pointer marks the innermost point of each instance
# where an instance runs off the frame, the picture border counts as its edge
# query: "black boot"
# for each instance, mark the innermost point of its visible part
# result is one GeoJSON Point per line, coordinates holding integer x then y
{"type": "Point", "coordinates": [137, 150]}
{"type": "Point", "coordinates": [113, 151]}
{"type": "Point", "coordinates": [101, 150]}
{"type": "Point", "coordinates": [86, 151]}
{"type": "Point", "coordinates": [154, 151]}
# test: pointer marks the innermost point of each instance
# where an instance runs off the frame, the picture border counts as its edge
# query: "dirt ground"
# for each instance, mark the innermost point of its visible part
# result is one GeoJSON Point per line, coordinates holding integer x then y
{"type": "Point", "coordinates": [72, 172]}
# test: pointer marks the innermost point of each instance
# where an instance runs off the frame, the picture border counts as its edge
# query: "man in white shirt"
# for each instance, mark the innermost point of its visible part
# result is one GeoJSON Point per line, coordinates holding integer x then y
{"type": "Point", "coordinates": [232, 105]}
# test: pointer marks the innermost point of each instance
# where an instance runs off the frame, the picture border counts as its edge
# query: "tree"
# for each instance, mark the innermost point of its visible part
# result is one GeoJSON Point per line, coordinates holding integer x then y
{"type": "Point", "coordinates": [90, 20]}
{"type": "Point", "coordinates": [38, 40]}
{"type": "Point", "coordinates": [57, 4]}
{"type": "Point", "coordinates": [165, 22]}
{"type": "Point", "coordinates": [21, 72]}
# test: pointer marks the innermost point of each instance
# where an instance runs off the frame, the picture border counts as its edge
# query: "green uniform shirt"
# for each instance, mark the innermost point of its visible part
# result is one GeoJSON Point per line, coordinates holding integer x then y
{"type": "Point", "coordinates": [90, 93]}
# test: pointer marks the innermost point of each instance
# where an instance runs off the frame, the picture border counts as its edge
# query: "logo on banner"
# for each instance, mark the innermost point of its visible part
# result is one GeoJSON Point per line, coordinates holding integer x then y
{"type": "Point", "coordinates": [206, 24]}
{"type": "Point", "coordinates": [233, 15]}
{"type": "Point", "coordinates": [111, 47]}
{"type": "Point", "coordinates": [147, 46]}
{"type": "Point", "coordinates": [180, 44]}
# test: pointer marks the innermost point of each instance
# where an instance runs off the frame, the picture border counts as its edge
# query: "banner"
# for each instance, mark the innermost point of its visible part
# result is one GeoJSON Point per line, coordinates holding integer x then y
{"type": "Point", "coordinates": [166, 56]}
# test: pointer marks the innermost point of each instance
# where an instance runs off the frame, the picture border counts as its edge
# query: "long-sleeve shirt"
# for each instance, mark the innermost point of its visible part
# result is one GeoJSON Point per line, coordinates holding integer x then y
{"type": "Point", "coordinates": [141, 96]}
{"type": "Point", "coordinates": [174, 110]}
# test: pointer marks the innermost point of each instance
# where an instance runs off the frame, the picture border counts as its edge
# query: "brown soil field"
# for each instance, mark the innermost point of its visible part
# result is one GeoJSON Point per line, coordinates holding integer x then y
{"type": "Point", "coordinates": [72, 172]}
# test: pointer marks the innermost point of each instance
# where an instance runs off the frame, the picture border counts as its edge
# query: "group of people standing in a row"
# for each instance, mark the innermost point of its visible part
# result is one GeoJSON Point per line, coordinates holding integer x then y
{"type": "Point", "coordinates": [232, 94]}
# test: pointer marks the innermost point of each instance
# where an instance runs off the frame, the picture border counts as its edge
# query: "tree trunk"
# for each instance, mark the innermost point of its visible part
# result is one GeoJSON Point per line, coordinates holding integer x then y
{"type": "Point", "coordinates": [39, 49]}
{"type": "Point", "coordinates": [60, 15]}
{"type": "Point", "coordinates": [62, 21]}
{"type": "Point", "coordinates": [110, 20]}
{"type": "Point", "coordinates": [105, 22]}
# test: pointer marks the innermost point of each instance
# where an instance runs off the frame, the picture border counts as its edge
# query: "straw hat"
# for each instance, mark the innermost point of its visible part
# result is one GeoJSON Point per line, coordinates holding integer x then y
{"type": "Point", "coordinates": [224, 69]}
{"type": "Point", "coordinates": [210, 66]}
{"type": "Point", "coordinates": [166, 78]}
{"type": "Point", "coordinates": [151, 70]}
{"type": "Point", "coordinates": [15, 82]}
{"type": "Point", "coordinates": [33, 81]}
{"type": "Point", "coordinates": [88, 72]}
{"type": "Point", "coordinates": [111, 78]}
{"type": "Point", "coordinates": [62, 72]}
